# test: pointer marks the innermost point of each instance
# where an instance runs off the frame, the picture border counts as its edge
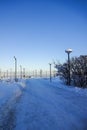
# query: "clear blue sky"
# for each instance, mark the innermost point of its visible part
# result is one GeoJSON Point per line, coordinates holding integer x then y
{"type": "Point", "coordinates": [38, 31]}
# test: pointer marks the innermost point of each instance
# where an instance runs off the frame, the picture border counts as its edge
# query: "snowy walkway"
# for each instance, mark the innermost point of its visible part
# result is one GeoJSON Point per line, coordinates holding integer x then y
{"type": "Point", "coordinates": [46, 107]}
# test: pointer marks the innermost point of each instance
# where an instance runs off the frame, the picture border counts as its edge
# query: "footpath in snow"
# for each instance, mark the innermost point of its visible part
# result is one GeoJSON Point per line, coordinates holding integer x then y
{"type": "Point", "coordinates": [10, 93]}
{"type": "Point", "coordinates": [37, 104]}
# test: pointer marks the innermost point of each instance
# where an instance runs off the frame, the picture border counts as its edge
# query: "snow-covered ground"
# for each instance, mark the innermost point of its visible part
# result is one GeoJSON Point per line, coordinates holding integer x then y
{"type": "Point", "coordinates": [37, 104]}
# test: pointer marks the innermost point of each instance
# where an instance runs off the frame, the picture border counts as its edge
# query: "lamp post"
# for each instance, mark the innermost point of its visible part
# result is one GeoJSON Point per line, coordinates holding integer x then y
{"type": "Point", "coordinates": [15, 68]}
{"type": "Point", "coordinates": [50, 72]}
{"type": "Point", "coordinates": [24, 74]}
{"type": "Point", "coordinates": [10, 73]}
{"type": "Point", "coordinates": [46, 74]}
{"type": "Point", "coordinates": [68, 51]}
{"type": "Point", "coordinates": [7, 74]}
{"type": "Point", "coordinates": [41, 73]}
{"type": "Point", "coordinates": [0, 74]}
{"type": "Point", "coordinates": [20, 71]}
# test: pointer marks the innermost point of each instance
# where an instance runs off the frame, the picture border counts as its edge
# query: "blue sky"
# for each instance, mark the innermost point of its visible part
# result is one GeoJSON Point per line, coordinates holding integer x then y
{"type": "Point", "coordinates": [38, 31]}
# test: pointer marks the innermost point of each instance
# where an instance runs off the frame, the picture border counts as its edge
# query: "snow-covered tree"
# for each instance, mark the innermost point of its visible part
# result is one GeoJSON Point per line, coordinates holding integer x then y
{"type": "Point", "coordinates": [78, 71]}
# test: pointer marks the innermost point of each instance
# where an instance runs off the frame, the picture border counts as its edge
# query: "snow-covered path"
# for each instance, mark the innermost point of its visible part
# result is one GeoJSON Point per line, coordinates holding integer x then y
{"type": "Point", "coordinates": [46, 107]}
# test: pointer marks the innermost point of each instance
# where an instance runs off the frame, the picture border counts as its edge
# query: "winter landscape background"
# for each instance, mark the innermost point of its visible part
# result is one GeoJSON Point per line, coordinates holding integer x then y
{"type": "Point", "coordinates": [43, 65]}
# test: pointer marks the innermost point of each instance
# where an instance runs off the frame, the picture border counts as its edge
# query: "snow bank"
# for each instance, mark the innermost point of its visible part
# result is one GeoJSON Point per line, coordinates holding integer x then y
{"type": "Point", "coordinates": [10, 91]}
{"type": "Point", "coordinates": [56, 82]}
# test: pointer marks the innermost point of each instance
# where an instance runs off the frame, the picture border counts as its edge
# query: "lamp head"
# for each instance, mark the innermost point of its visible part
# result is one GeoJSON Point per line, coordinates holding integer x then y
{"type": "Point", "coordinates": [68, 50]}
{"type": "Point", "coordinates": [14, 57]}
{"type": "Point", "coordinates": [49, 63]}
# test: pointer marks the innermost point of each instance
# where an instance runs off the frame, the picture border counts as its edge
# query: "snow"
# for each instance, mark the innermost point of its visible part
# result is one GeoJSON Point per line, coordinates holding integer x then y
{"type": "Point", "coordinates": [9, 92]}
{"type": "Point", "coordinates": [37, 104]}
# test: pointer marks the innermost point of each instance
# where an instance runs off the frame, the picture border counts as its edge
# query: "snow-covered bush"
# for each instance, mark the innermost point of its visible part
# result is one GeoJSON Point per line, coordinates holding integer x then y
{"type": "Point", "coordinates": [78, 71]}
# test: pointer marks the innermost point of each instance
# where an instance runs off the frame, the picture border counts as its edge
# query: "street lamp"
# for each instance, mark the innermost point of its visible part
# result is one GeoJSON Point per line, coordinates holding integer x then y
{"type": "Point", "coordinates": [50, 72]}
{"type": "Point", "coordinates": [41, 73]}
{"type": "Point", "coordinates": [24, 74]}
{"type": "Point", "coordinates": [20, 71]}
{"type": "Point", "coordinates": [10, 73]}
{"type": "Point", "coordinates": [68, 51]}
{"type": "Point", "coordinates": [7, 74]}
{"type": "Point", "coordinates": [15, 68]}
